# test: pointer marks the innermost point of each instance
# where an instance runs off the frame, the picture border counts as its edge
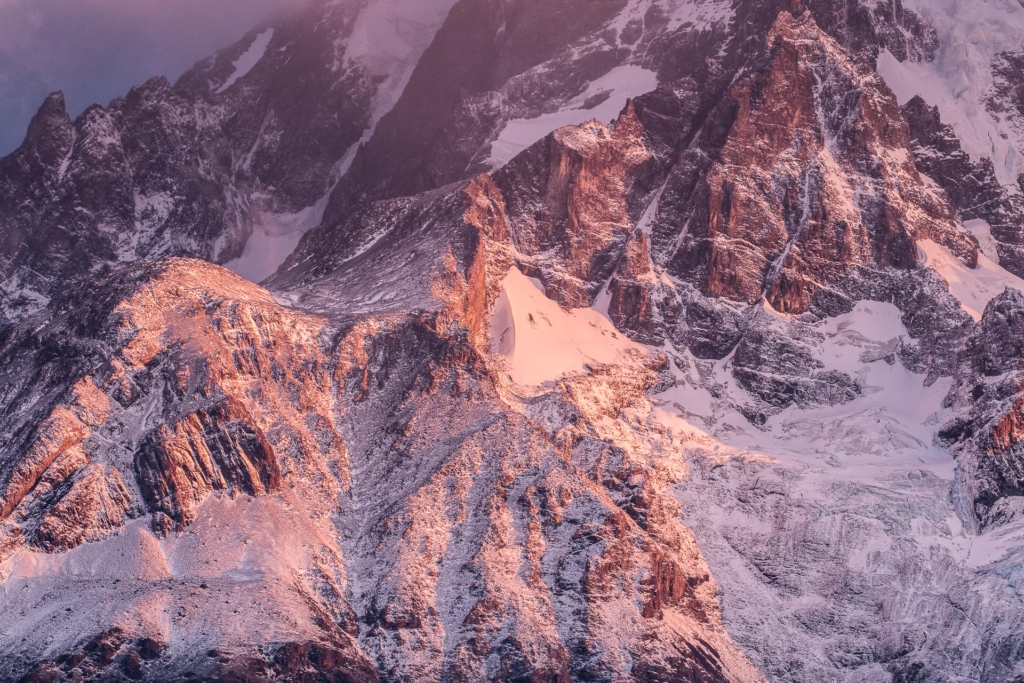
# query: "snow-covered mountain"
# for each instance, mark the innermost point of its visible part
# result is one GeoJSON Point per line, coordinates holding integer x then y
{"type": "Point", "coordinates": [620, 340]}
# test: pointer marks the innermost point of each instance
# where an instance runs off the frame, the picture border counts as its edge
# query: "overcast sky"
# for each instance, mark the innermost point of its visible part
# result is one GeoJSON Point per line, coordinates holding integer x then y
{"type": "Point", "coordinates": [95, 50]}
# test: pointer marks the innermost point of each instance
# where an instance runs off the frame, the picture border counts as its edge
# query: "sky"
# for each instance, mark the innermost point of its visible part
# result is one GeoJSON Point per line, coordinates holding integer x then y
{"type": "Point", "coordinates": [96, 50]}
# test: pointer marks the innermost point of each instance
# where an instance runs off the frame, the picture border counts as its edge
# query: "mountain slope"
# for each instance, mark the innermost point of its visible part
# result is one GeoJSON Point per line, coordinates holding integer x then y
{"type": "Point", "coordinates": [722, 385]}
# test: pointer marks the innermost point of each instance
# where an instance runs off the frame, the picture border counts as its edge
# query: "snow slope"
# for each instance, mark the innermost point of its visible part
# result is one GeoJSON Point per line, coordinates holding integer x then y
{"type": "Point", "coordinates": [249, 59]}
{"type": "Point", "coordinates": [831, 531]}
{"type": "Point", "coordinates": [539, 342]}
{"type": "Point", "coordinates": [617, 87]}
{"type": "Point", "coordinates": [971, 35]}
{"type": "Point", "coordinates": [973, 288]}
{"type": "Point", "coordinates": [388, 39]}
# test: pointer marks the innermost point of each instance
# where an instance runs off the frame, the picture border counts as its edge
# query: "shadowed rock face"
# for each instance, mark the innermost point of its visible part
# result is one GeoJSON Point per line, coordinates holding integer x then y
{"type": "Point", "coordinates": [971, 186]}
{"type": "Point", "coordinates": [430, 138]}
{"type": "Point", "coordinates": [184, 170]}
{"type": "Point", "coordinates": [986, 433]}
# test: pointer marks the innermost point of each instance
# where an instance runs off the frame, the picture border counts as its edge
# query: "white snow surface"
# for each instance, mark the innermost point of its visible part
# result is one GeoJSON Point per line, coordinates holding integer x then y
{"type": "Point", "coordinates": [540, 343]}
{"type": "Point", "coordinates": [621, 84]}
{"type": "Point", "coordinates": [249, 59]}
{"type": "Point", "coordinates": [972, 33]}
{"type": "Point", "coordinates": [833, 528]}
{"type": "Point", "coordinates": [972, 287]}
{"type": "Point", "coordinates": [388, 39]}
{"type": "Point", "coordinates": [698, 14]}
{"type": "Point", "coordinates": [254, 555]}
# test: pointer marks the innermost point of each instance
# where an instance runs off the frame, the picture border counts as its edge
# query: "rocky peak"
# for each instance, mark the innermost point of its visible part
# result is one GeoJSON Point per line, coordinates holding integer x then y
{"type": "Point", "coordinates": [49, 133]}
{"type": "Point", "coordinates": [572, 201]}
{"type": "Point", "coordinates": [784, 210]}
{"type": "Point", "coordinates": [987, 429]}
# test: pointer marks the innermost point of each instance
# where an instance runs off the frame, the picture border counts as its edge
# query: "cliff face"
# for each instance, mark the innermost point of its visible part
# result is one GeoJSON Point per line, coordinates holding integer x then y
{"type": "Point", "coordinates": [810, 177]}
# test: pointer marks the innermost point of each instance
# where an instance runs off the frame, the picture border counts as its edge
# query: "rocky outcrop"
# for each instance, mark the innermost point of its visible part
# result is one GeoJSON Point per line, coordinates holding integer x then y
{"type": "Point", "coordinates": [451, 529]}
{"type": "Point", "coordinates": [502, 62]}
{"type": "Point", "coordinates": [971, 186]}
{"type": "Point", "coordinates": [775, 364]}
{"type": "Point", "coordinates": [185, 170]}
{"type": "Point", "coordinates": [985, 432]}
{"type": "Point", "coordinates": [338, 478]}
{"type": "Point", "coordinates": [213, 449]}
{"type": "Point", "coordinates": [573, 201]}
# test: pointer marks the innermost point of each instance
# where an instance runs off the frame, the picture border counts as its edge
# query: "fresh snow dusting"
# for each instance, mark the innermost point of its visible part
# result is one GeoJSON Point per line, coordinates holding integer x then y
{"type": "Point", "coordinates": [250, 553]}
{"type": "Point", "coordinates": [700, 14]}
{"type": "Point", "coordinates": [887, 426]}
{"type": "Point", "coordinates": [971, 36]}
{"type": "Point", "coordinates": [620, 84]}
{"type": "Point", "coordinates": [539, 342]}
{"type": "Point", "coordinates": [249, 59]}
{"type": "Point", "coordinates": [695, 14]}
{"type": "Point", "coordinates": [973, 288]}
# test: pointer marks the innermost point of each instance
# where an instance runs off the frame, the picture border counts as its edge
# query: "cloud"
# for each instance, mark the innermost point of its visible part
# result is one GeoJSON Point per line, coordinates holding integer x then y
{"type": "Point", "coordinates": [95, 50]}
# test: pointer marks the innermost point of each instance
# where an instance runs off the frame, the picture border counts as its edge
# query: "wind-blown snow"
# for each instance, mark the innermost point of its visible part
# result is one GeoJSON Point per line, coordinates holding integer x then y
{"type": "Point", "coordinates": [973, 288]}
{"type": "Point", "coordinates": [971, 35]}
{"type": "Point", "coordinates": [249, 59]}
{"type": "Point", "coordinates": [620, 84]}
{"type": "Point", "coordinates": [540, 342]}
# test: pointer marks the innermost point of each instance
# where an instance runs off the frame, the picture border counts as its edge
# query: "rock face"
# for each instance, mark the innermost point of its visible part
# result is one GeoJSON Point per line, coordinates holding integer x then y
{"type": "Point", "coordinates": [971, 186]}
{"type": "Point", "coordinates": [782, 211]}
{"type": "Point", "coordinates": [673, 394]}
{"type": "Point", "coordinates": [495, 63]}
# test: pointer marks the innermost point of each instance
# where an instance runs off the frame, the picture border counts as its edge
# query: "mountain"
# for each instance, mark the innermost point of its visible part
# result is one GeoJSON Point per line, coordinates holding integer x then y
{"type": "Point", "coordinates": [630, 340]}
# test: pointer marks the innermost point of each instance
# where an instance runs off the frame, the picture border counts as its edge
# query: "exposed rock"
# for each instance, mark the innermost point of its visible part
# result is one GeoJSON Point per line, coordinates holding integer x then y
{"type": "Point", "coordinates": [972, 186]}
{"type": "Point", "coordinates": [784, 212]}
{"type": "Point", "coordinates": [986, 429]}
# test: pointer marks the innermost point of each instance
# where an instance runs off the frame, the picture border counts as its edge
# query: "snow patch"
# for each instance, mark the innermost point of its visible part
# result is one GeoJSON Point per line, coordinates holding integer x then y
{"type": "Point", "coordinates": [620, 84]}
{"type": "Point", "coordinates": [699, 15]}
{"type": "Point", "coordinates": [539, 342]}
{"type": "Point", "coordinates": [982, 232]}
{"type": "Point", "coordinates": [973, 288]}
{"type": "Point", "coordinates": [249, 59]}
{"type": "Point", "coordinates": [388, 39]}
{"type": "Point", "coordinates": [276, 236]}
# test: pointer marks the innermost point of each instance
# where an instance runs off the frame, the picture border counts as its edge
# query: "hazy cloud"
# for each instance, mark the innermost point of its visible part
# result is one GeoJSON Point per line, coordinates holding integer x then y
{"type": "Point", "coordinates": [95, 50]}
